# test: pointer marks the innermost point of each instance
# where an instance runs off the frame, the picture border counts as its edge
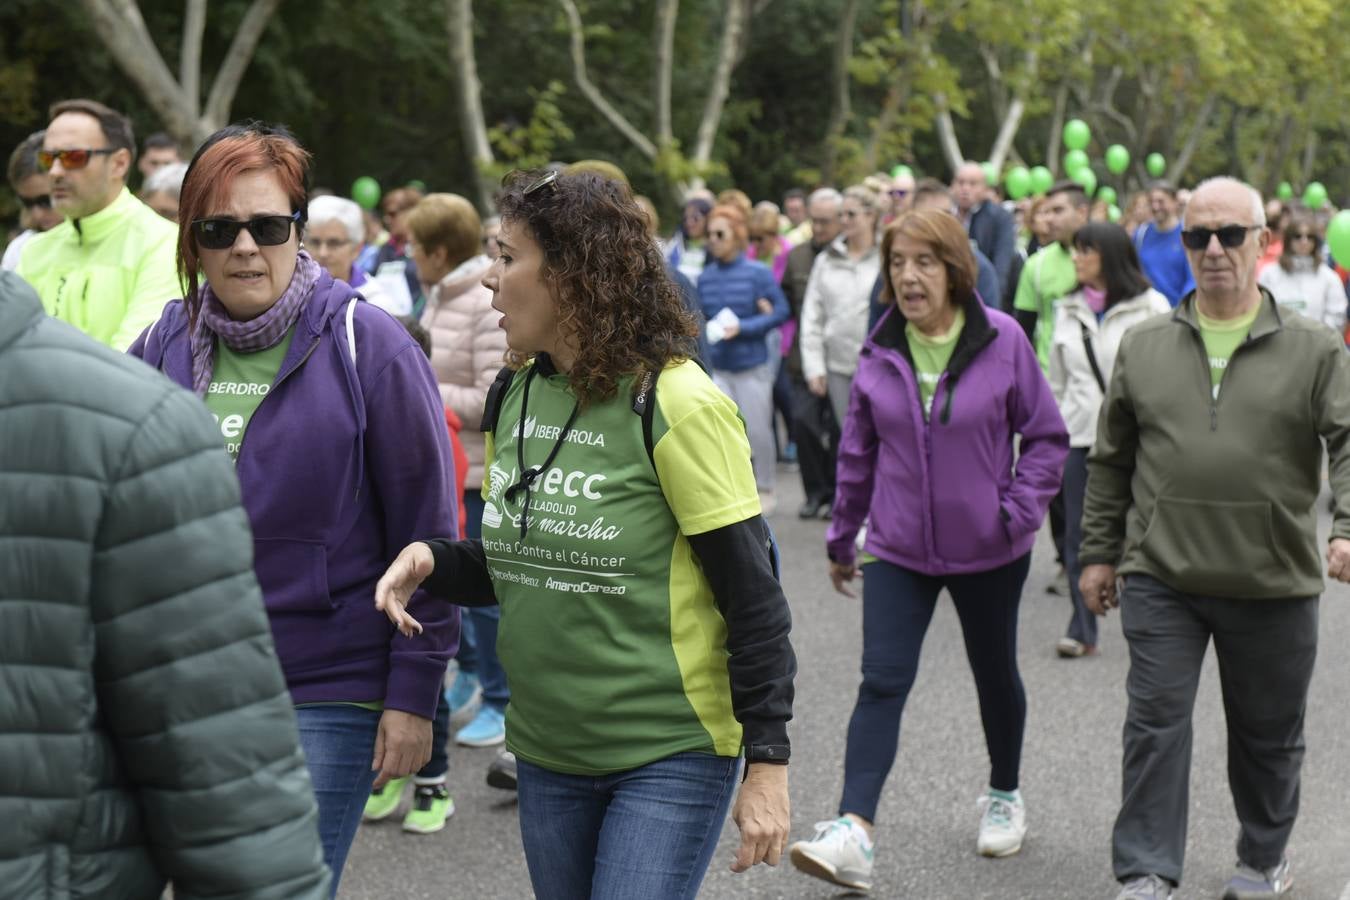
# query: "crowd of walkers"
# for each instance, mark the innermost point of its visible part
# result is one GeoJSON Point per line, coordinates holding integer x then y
{"type": "Point", "coordinates": [545, 447]}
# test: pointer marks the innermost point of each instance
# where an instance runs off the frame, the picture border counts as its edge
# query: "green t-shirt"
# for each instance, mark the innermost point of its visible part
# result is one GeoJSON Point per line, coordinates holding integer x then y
{"type": "Point", "coordinates": [239, 382]}
{"type": "Point", "coordinates": [931, 355]}
{"type": "Point", "coordinates": [1047, 278]}
{"type": "Point", "coordinates": [1222, 337]}
{"type": "Point", "coordinates": [613, 646]}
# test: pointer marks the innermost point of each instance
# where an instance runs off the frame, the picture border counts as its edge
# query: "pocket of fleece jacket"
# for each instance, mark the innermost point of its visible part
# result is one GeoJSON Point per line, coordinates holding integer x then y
{"type": "Point", "coordinates": [293, 575]}
{"type": "Point", "coordinates": [969, 524]}
{"type": "Point", "coordinates": [1210, 547]}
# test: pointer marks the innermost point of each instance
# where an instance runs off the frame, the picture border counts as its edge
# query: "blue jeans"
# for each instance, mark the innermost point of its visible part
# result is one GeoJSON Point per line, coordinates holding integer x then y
{"type": "Point", "coordinates": [482, 622]}
{"type": "Point", "coordinates": [645, 834]}
{"type": "Point", "coordinates": [898, 604]}
{"type": "Point", "coordinates": [339, 744]}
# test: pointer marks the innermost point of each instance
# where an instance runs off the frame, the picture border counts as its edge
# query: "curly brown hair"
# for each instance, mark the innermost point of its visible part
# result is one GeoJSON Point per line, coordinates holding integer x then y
{"type": "Point", "coordinates": [606, 274]}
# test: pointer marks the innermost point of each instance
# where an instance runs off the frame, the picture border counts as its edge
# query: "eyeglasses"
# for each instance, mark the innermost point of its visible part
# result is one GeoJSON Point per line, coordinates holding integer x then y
{"type": "Point", "coordinates": [899, 193]}
{"type": "Point", "coordinates": [316, 243]}
{"type": "Point", "coordinates": [41, 201]}
{"type": "Point", "coordinates": [719, 235]}
{"type": "Point", "coordinates": [548, 180]}
{"type": "Point", "coordinates": [1305, 236]}
{"type": "Point", "coordinates": [1229, 236]}
{"type": "Point", "coordinates": [267, 231]}
{"type": "Point", "coordinates": [70, 159]}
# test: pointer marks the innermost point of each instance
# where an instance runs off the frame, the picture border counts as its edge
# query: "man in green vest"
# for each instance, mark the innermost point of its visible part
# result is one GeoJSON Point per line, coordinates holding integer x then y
{"type": "Point", "coordinates": [109, 268]}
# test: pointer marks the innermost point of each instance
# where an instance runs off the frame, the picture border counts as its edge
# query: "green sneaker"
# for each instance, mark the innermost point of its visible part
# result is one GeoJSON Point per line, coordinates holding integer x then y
{"type": "Point", "coordinates": [383, 801]}
{"type": "Point", "coordinates": [431, 807]}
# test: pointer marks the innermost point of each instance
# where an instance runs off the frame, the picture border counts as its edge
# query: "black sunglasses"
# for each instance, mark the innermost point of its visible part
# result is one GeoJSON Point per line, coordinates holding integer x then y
{"type": "Point", "coordinates": [1229, 236]}
{"type": "Point", "coordinates": [41, 201]}
{"type": "Point", "coordinates": [719, 234]}
{"type": "Point", "coordinates": [267, 231]}
{"type": "Point", "coordinates": [548, 180]}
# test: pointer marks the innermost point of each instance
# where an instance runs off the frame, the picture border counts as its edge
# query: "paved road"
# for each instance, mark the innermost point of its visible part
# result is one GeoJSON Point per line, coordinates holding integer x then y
{"type": "Point", "coordinates": [928, 818]}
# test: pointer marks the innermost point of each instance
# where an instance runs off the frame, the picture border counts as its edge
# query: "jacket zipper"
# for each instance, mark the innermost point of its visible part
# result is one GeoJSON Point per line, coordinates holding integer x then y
{"type": "Point", "coordinates": [308, 353]}
{"type": "Point", "coordinates": [1204, 362]}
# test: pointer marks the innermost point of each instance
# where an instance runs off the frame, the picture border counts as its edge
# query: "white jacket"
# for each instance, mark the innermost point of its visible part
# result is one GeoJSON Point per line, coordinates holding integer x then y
{"type": "Point", "coordinates": [1071, 376]}
{"type": "Point", "coordinates": [835, 308]}
{"type": "Point", "coordinates": [1310, 290]}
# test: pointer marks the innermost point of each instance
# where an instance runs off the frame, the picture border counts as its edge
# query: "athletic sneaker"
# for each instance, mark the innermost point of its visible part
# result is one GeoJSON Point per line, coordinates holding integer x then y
{"type": "Point", "coordinates": [488, 729]}
{"type": "Point", "coordinates": [1068, 648]}
{"type": "Point", "coordinates": [1253, 884]}
{"type": "Point", "coordinates": [431, 806]}
{"type": "Point", "coordinates": [383, 801]}
{"type": "Point", "coordinates": [502, 772]}
{"type": "Point", "coordinates": [1003, 825]}
{"type": "Point", "coordinates": [1146, 887]}
{"type": "Point", "coordinates": [462, 691]}
{"type": "Point", "coordinates": [1059, 585]}
{"type": "Point", "coordinates": [840, 853]}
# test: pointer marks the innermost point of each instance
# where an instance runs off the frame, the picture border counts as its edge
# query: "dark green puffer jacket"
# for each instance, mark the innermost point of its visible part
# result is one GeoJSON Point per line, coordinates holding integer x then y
{"type": "Point", "coordinates": [146, 734]}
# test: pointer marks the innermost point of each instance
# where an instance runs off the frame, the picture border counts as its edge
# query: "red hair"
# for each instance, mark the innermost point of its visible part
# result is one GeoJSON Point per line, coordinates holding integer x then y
{"type": "Point", "coordinates": [740, 232]}
{"type": "Point", "coordinates": [227, 154]}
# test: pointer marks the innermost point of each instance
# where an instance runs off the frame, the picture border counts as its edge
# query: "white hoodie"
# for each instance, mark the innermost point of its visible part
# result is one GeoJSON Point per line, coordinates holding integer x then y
{"type": "Point", "coordinates": [1071, 376]}
{"type": "Point", "coordinates": [835, 308]}
{"type": "Point", "coordinates": [1310, 290]}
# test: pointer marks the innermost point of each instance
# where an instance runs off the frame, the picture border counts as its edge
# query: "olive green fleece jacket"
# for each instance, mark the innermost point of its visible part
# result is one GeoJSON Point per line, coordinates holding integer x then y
{"type": "Point", "coordinates": [1216, 497]}
{"type": "Point", "coordinates": [146, 733]}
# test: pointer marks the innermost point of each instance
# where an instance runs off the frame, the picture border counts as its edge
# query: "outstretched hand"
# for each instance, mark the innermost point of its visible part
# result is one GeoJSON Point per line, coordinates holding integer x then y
{"type": "Point", "coordinates": [395, 588]}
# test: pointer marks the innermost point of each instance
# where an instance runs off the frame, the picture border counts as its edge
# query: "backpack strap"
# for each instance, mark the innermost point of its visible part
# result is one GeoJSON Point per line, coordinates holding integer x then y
{"type": "Point", "coordinates": [644, 405]}
{"type": "Point", "coordinates": [1092, 356]}
{"type": "Point", "coordinates": [351, 330]}
{"type": "Point", "coordinates": [492, 406]}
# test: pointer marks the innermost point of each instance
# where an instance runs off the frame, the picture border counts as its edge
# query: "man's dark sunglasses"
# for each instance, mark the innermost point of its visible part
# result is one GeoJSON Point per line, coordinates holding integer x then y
{"type": "Point", "coordinates": [1230, 236]}
{"type": "Point", "coordinates": [41, 201]}
{"type": "Point", "coordinates": [267, 231]}
{"type": "Point", "coordinates": [70, 159]}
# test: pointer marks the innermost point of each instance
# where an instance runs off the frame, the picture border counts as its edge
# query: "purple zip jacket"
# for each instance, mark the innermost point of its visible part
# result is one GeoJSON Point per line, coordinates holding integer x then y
{"type": "Point", "coordinates": [342, 466]}
{"type": "Point", "coordinates": [942, 497]}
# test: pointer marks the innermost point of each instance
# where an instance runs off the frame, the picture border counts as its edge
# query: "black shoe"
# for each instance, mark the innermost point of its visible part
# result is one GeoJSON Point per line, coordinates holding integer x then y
{"type": "Point", "coordinates": [812, 509]}
{"type": "Point", "coordinates": [502, 772]}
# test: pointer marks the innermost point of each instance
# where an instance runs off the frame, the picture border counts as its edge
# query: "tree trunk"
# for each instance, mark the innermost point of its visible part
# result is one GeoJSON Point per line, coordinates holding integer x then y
{"type": "Point", "coordinates": [233, 67]}
{"type": "Point", "coordinates": [841, 110]}
{"type": "Point", "coordinates": [1309, 156]}
{"type": "Point", "coordinates": [728, 48]}
{"type": "Point", "coordinates": [190, 62]}
{"type": "Point", "coordinates": [1006, 133]}
{"type": "Point", "coordinates": [667, 11]}
{"type": "Point", "coordinates": [592, 93]}
{"type": "Point", "coordinates": [1056, 127]}
{"type": "Point", "coordinates": [1272, 175]}
{"type": "Point", "coordinates": [951, 148]}
{"type": "Point", "coordinates": [473, 125]}
{"type": "Point", "coordinates": [896, 97]}
{"type": "Point", "coordinates": [1199, 122]}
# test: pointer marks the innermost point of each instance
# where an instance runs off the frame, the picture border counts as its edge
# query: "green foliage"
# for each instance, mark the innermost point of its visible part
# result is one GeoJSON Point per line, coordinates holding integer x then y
{"type": "Point", "coordinates": [532, 145]}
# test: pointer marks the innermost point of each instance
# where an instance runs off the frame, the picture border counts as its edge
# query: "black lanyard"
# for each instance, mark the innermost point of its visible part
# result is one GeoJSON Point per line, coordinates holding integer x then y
{"type": "Point", "coordinates": [527, 476]}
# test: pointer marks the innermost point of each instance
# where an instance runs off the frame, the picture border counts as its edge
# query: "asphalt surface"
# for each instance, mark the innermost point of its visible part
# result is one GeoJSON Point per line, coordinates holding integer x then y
{"type": "Point", "coordinates": [928, 818]}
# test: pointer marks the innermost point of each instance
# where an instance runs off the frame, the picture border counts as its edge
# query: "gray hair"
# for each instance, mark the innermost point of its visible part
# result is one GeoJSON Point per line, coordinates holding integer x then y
{"type": "Point", "coordinates": [166, 180]}
{"type": "Point", "coordinates": [825, 195]}
{"type": "Point", "coordinates": [23, 161]}
{"type": "Point", "coordinates": [1258, 205]}
{"type": "Point", "coordinates": [336, 209]}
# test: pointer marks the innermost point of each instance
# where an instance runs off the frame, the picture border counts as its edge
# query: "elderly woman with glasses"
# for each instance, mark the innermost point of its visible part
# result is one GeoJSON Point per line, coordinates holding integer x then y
{"type": "Point", "coordinates": [331, 415]}
{"type": "Point", "coordinates": [334, 232]}
{"type": "Point", "coordinates": [1301, 280]}
{"type": "Point", "coordinates": [642, 628]}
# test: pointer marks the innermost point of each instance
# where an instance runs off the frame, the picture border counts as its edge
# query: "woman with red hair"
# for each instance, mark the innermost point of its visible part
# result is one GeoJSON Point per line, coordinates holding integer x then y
{"type": "Point", "coordinates": [331, 413]}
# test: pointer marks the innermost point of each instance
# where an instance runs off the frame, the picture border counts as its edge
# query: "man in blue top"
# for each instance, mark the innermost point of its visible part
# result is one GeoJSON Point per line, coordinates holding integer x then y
{"type": "Point", "coordinates": [1159, 245]}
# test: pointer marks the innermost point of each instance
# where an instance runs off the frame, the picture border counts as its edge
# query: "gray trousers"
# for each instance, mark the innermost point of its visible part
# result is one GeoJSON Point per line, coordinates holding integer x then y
{"type": "Point", "coordinates": [837, 387]}
{"type": "Point", "coordinates": [752, 389]}
{"type": "Point", "coordinates": [1266, 650]}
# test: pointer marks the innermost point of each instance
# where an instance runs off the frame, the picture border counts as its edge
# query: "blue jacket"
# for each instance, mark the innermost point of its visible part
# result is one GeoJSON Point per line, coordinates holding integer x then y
{"type": "Point", "coordinates": [343, 465]}
{"type": "Point", "coordinates": [737, 286]}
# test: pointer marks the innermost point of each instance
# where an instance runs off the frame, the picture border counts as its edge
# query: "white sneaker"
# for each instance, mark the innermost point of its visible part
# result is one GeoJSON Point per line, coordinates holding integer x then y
{"type": "Point", "coordinates": [1003, 825]}
{"type": "Point", "coordinates": [840, 853]}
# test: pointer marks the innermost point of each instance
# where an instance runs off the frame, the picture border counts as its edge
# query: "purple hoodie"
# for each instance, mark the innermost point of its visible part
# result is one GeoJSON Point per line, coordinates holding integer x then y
{"type": "Point", "coordinates": [942, 497]}
{"type": "Point", "coordinates": [341, 467]}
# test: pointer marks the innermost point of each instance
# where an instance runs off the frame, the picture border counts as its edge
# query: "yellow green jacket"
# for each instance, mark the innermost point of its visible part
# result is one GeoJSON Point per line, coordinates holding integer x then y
{"type": "Point", "coordinates": [108, 274]}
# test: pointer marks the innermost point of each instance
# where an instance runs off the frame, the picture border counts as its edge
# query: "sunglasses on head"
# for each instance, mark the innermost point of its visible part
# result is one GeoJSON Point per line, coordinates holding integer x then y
{"type": "Point", "coordinates": [267, 231]}
{"type": "Point", "coordinates": [70, 159]}
{"type": "Point", "coordinates": [548, 180]}
{"type": "Point", "coordinates": [41, 201]}
{"type": "Point", "coordinates": [1229, 236]}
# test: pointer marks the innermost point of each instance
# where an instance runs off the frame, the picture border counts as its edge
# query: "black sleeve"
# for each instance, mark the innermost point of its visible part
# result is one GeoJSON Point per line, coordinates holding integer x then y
{"type": "Point", "coordinates": [736, 561]}
{"type": "Point", "coordinates": [461, 573]}
{"type": "Point", "coordinates": [1027, 319]}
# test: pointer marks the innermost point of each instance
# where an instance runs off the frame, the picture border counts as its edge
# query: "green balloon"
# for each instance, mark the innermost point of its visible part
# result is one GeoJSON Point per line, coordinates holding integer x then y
{"type": "Point", "coordinates": [1314, 195]}
{"type": "Point", "coordinates": [1041, 179]}
{"type": "Point", "coordinates": [901, 169]}
{"type": "Point", "coordinates": [1117, 159]}
{"type": "Point", "coordinates": [990, 173]}
{"type": "Point", "coordinates": [1285, 191]}
{"type": "Point", "coordinates": [1338, 236]}
{"type": "Point", "coordinates": [366, 192]}
{"type": "Point", "coordinates": [1077, 135]}
{"type": "Point", "coordinates": [1113, 213]}
{"type": "Point", "coordinates": [1087, 178]}
{"type": "Point", "coordinates": [1107, 195]}
{"type": "Point", "coordinates": [1075, 160]}
{"type": "Point", "coordinates": [1018, 182]}
{"type": "Point", "coordinates": [1155, 164]}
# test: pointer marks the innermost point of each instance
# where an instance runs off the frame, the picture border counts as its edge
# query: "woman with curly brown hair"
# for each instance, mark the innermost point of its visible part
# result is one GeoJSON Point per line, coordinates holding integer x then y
{"type": "Point", "coordinates": [643, 632]}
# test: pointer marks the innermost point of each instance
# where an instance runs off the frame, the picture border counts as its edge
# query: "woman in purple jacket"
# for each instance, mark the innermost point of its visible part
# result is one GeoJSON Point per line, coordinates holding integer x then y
{"type": "Point", "coordinates": [944, 389]}
{"type": "Point", "coordinates": [332, 416]}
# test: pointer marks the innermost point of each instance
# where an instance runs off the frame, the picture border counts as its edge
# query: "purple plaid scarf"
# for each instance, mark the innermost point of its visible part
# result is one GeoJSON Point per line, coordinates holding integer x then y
{"type": "Point", "coordinates": [265, 331]}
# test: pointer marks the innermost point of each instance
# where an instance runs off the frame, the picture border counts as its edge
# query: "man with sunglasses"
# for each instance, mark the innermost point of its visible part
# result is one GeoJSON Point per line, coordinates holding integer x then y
{"type": "Point", "coordinates": [35, 200]}
{"type": "Point", "coordinates": [109, 268]}
{"type": "Point", "coordinates": [1200, 495]}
